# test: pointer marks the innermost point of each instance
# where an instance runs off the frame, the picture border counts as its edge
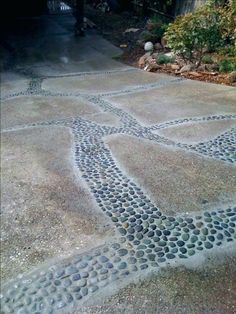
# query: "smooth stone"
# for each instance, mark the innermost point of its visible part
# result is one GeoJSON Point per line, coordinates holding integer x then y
{"type": "Point", "coordinates": [199, 224]}
{"type": "Point", "coordinates": [208, 245]}
{"type": "Point", "coordinates": [122, 252]}
{"type": "Point", "coordinates": [84, 291]}
{"type": "Point", "coordinates": [139, 254]}
{"type": "Point", "coordinates": [211, 238]}
{"type": "Point", "coordinates": [122, 231]}
{"type": "Point", "coordinates": [109, 265]}
{"type": "Point", "coordinates": [191, 252]}
{"type": "Point", "coordinates": [60, 304]}
{"type": "Point", "coordinates": [82, 283]}
{"type": "Point", "coordinates": [103, 259]}
{"type": "Point", "coordinates": [68, 298]}
{"type": "Point", "coordinates": [59, 273]}
{"type": "Point", "coordinates": [151, 257]}
{"type": "Point", "coordinates": [180, 243]}
{"type": "Point", "coordinates": [204, 231]}
{"type": "Point", "coordinates": [194, 239]}
{"type": "Point", "coordinates": [166, 232]}
{"type": "Point", "coordinates": [122, 265]}
{"type": "Point", "coordinates": [183, 250]}
{"type": "Point", "coordinates": [170, 255]}
{"type": "Point", "coordinates": [185, 237]}
{"type": "Point", "coordinates": [66, 282]}
{"type": "Point", "coordinates": [143, 266]}
{"type": "Point", "coordinates": [93, 288]}
{"type": "Point", "coordinates": [132, 260]}
{"type": "Point", "coordinates": [71, 270]}
{"type": "Point", "coordinates": [150, 234]}
{"type": "Point", "coordinates": [82, 265]}
{"type": "Point", "coordinates": [139, 228]}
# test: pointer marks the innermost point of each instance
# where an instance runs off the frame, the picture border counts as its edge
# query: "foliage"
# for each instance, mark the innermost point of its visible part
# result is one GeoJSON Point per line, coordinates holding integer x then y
{"type": "Point", "coordinates": [206, 29]}
{"type": "Point", "coordinates": [163, 59]}
{"type": "Point", "coordinates": [159, 31]}
{"type": "Point", "coordinates": [157, 25]}
{"type": "Point", "coordinates": [207, 59]}
{"type": "Point", "coordinates": [148, 36]}
{"type": "Point", "coordinates": [164, 6]}
{"type": "Point", "coordinates": [228, 50]}
{"type": "Point", "coordinates": [227, 65]}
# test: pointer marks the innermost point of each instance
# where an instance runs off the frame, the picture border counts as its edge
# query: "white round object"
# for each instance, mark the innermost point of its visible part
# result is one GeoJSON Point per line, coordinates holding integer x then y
{"type": "Point", "coordinates": [148, 46]}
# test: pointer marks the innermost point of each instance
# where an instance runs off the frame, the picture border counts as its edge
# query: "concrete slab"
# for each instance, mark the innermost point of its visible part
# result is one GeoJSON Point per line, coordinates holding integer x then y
{"type": "Point", "coordinates": [47, 210]}
{"type": "Point", "coordinates": [29, 109]}
{"type": "Point", "coordinates": [57, 51]}
{"type": "Point", "coordinates": [196, 132]}
{"type": "Point", "coordinates": [12, 83]}
{"type": "Point", "coordinates": [209, 289]}
{"type": "Point", "coordinates": [103, 83]}
{"type": "Point", "coordinates": [176, 180]}
{"type": "Point", "coordinates": [178, 100]}
{"type": "Point", "coordinates": [67, 54]}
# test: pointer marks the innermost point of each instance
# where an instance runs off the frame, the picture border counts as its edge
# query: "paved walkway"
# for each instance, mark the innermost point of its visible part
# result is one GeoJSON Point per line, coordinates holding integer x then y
{"type": "Point", "coordinates": [109, 175]}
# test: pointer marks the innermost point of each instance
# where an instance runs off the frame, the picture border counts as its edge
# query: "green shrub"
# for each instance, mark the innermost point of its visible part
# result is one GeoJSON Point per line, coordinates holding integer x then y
{"type": "Point", "coordinates": [157, 25]}
{"type": "Point", "coordinates": [163, 59]}
{"type": "Point", "coordinates": [206, 29]}
{"type": "Point", "coordinates": [147, 36]}
{"type": "Point", "coordinates": [159, 31]}
{"type": "Point", "coordinates": [228, 50]}
{"type": "Point", "coordinates": [207, 59]}
{"type": "Point", "coordinates": [227, 65]}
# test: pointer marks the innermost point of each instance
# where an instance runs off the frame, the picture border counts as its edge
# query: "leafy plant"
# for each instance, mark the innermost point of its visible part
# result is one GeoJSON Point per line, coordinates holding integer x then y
{"type": "Point", "coordinates": [148, 36]}
{"type": "Point", "coordinates": [227, 65]}
{"type": "Point", "coordinates": [206, 29]}
{"type": "Point", "coordinates": [164, 59]}
{"type": "Point", "coordinates": [207, 59]}
{"type": "Point", "coordinates": [228, 50]}
{"type": "Point", "coordinates": [159, 31]}
{"type": "Point", "coordinates": [157, 25]}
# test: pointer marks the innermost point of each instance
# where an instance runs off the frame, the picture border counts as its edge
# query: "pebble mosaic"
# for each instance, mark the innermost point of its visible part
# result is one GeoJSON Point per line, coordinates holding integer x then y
{"type": "Point", "coordinates": [145, 238]}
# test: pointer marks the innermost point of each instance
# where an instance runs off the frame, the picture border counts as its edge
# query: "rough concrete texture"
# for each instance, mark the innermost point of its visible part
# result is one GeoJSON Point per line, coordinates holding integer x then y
{"type": "Point", "coordinates": [59, 52]}
{"type": "Point", "coordinates": [197, 132]}
{"type": "Point", "coordinates": [65, 191]}
{"type": "Point", "coordinates": [207, 289]}
{"type": "Point", "coordinates": [12, 83]}
{"type": "Point", "coordinates": [175, 180]}
{"type": "Point", "coordinates": [101, 84]}
{"type": "Point", "coordinates": [175, 101]}
{"type": "Point", "coordinates": [25, 110]}
{"type": "Point", "coordinates": [47, 211]}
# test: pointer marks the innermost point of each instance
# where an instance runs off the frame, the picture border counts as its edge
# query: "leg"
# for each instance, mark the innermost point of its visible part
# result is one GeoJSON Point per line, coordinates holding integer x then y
{"type": "Point", "coordinates": [79, 16]}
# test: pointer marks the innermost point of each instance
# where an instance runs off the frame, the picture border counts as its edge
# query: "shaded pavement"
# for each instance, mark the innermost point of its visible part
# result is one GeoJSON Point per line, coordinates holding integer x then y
{"type": "Point", "coordinates": [118, 186]}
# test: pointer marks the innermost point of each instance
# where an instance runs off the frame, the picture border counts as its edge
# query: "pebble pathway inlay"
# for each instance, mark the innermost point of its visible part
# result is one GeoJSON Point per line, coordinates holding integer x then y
{"type": "Point", "coordinates": [145, 237]}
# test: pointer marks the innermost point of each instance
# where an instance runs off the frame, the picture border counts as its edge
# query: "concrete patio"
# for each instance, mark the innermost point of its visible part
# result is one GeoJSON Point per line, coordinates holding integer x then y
{"type": "Point", "coordinates": [118, 185]}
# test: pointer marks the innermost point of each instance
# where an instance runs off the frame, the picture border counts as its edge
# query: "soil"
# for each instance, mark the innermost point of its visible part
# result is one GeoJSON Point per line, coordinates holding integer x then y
{"type": "Point", "coordinates": [112, 26]}
{"type": "Point", "coordinates": [123, 30]}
